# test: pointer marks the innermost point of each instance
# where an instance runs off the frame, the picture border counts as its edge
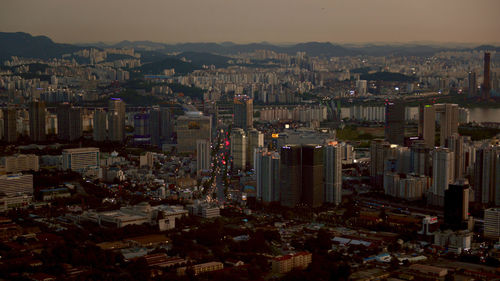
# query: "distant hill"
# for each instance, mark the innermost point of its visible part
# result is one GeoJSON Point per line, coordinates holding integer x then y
{"type": "Point", "coordinates": [169, 62]}
{"type": "Point", "coordinates": [24, 45]}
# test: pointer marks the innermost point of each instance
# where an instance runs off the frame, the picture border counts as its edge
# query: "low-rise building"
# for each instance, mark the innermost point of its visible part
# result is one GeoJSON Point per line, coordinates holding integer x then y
{"type": "Point", "coordinates": [283, 264]}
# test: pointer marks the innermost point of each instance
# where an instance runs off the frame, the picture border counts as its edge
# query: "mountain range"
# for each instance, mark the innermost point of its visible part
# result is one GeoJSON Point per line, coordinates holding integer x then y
{"type": "Point", "coordinates": [25, 45]}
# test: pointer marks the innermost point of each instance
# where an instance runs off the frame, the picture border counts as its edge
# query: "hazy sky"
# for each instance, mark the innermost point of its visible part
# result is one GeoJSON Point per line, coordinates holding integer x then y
{"type": "Point", "coordinates": [476, 21]}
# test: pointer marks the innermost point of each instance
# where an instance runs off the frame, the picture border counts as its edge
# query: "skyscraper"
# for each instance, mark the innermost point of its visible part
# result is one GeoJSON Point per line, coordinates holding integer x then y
{"type": "Point", "coordinates": [378, 155]}
{"type": "Point", "coordinates": [69, 122]}
{"type": "Point", "coordinates": [267, 170]}
{"type": "Point", "coordinates": [486, 87]}
{"type": "Point", "coordinates": [10, 124]}
{"type": "Point", "coordinates": [243, 112]}
{"type": "Point", "coordinates": [291, 175]}
{"type": "Point", "coordinates": [456, 144]}
{"type": "Point", "coordinates": [160, 125]}
{"type": "Point", "coordinates": [448, 119]}
{"type": "Point", "coordinates": [255, 139]}
{"type": "Point", "coordinates": [116, 120]}
{"type": "Point", "coordinates": [239, 143]}
{"type": "Point", "coordinates": [442, 174]}
{"type": "Point", "coordinates": [487, 175]}
{"type": "Point", "coordinates": [333, 173]}
{"type": "Point", "coordinates": [313, 169]}
{"type": "Point", "coordinates": [456, 206]}
{"type": "Point", "coordinates": [427, 125]}
{"type": "Point", "coordinates": [472, 85]}
{"type": "Point", "coordinates": [37, 121]}
{"type": "Point", "coordinates": [202, 155]}
{"type": "Point", "coordinates": [99, 126]}
{"type": "Point", "coordinates": [190, 127]}
{"type": "Point", "coordinates": [394, 122]}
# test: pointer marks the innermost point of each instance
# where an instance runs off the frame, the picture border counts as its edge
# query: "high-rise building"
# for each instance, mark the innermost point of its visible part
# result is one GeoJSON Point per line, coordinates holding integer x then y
{"type": "Point", "coordinates": [487, 175]}
{"type": "Point", "coordinates": [202, 155]}
{"type": "Point", "coordinates": [420, 158]}
{"type": "Point", "coordinates": [448, 119]}
{"type": "Point", "coordinates": [243, 112]}
{"type": "Point", "coordinates": [160, 119]}
{"type": "Point", "coordinates": [395, 122]}
{"type": "Point", "coordinates": [442, 174]}
{"type": "Point", "coordinates": [239, 143]}
{"type": "Point", "coordinates": [10, 124]}
{"type": "Point", "coordinates": [116, 120]}
{"type": "Point", "coordinates": [361, 87]}
{"type": "Point", "coordinates": [492, 223]}
{"type": "Point", "coordinates": [99, 126]}
{"type": "Point", "coordinates": [472, 85]}
{"type": "Point", "coordinates": [267, 170]}
{"type": "Point", "coordinates": [291, 175]}
{"type": "Point", "coordinates": [456, 144]}
{"type": "Point", "coordinates": [37, 121]}
{"type": "Point", "coordinates": [378, 153]}
{"type": "Point", "coordinates": [313, 179]}
{"type": "Point", "coordinates": [18, 190]}
{"type": "Point", "coordinates": [427, 125]}
{"type": "Point", "coordinates": [486, 87]}
{"type": "Point", "coordinates": [190, 127]}
{"type": "Point", "coordinates": [333, 173]}
{"type": "Point", "coordinates": [141, 128]}
{"type": "Point", "coordinates": [69, 122]}
{"type": "Point", "coordinates": [255, 139]}
{"type": "Point", "coordinates": [456, 206]}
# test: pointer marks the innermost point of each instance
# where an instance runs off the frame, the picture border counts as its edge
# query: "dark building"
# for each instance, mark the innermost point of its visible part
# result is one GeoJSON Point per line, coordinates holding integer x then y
{"type": "Point", "coordinates": [160, 126]}
{"type": "Point", "coordinates": [313, 179]}
{"type": "Point", "coordinates": [472, 85]}
{"type": "Point", "coordinates": [243, 112]}
{"type": "Point", "coordinates": [456, 206]}
{"type": "Point", "coordinates": [69, 122]}
{"type": "Point", "coordinates": [37, 121]}
{"type": "Point", "coordinates": [10, 124]}
{"type": "Point", "coordinates": [395, 122]}
{"type": "Point", "coordinates": [486, 87]}
{"type": "Point", "coordinates": [291, 175]}
{"type": "Point", "coordinates": [302, 177]}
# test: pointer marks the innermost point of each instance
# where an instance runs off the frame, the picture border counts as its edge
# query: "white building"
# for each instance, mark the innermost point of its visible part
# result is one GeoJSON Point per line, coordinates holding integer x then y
{"type": "Point", "coordinates": [82, 160]}
{"type": "Point", "coordinates": [202, 155]}
{"type": "Point", "coordinates": [21, 162]}
{"type": "Point", "coordinates": [239, 142]}
{"type": "Point", "coordinates": [492, 223]}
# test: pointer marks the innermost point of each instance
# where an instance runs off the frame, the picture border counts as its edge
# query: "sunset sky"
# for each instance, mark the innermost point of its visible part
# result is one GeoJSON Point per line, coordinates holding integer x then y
{"type": "Point", "coordinates": [242, 21]}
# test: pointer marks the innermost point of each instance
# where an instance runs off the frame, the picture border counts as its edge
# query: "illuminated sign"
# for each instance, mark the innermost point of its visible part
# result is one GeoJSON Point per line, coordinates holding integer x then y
{"type": "Point", "coordinates": [275, 136]}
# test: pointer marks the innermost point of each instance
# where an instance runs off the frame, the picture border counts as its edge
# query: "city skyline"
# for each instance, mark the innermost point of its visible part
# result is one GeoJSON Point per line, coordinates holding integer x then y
{"type": "Point", "coordinates": [275, 21]}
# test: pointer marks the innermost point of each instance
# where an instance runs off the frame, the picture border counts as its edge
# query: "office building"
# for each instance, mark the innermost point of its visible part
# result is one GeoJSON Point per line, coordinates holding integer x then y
{"type": "Point", "coordinates": [191, 127]}
{"type": "Point", "coordinates": [82, 160]}
{"type": "Point", "coordinates": [116, 120]}
{"type": "Point", "coordinates": [395, 122]}
{"type": "Point", "coordinates": [243, 112]}
{"type": "Point", "coordinates": [160, 126]}
{"type": "Point", "coordinates": [486, 87]}
{"type": "Point", "coordinates": [492, 223]}
{"type": "Point", "coordinates": [456, 206]}
{"type": "Point", "coordinates": [448, 120]}
{"type": "Point", "coordinates": [378, 153]}
{"type": "Point", "coordinates": [37, 121]}
{"type": "Point", "coordinates": [141, 128]}
{"type": "Point", "coordinates": [361, 87]}
{"type": "Point", "coordinates": [69, 122]}
{"type": "Point", "coordinates": [255, 139]}
{"type": "Point", "coordinates": [442, 174]}
{"type": "Point", "coordinates": [203, 152]}
{"type": "Point", "coordinates": [10, 124]}
{"type": "Point", "coordinates": [291, 175]}
{"type": "Point", "coordinates": [456, 144]}
{"type": "Point", "coordinates": [333, 173]}
{"type": "Point", "coordinates": [427, 125]}
{"type": "Point", "coordinates": [313, 169]}
{"type": "Point", "coordinates": [267, 171]}
{"type": "Point", "coordinates": [239, 143]}
{"type": "Point", "coordinates": [472, 85]}
{"type": "Point", "coordinates": [487, 175]}
{"type": "Point", "coordinates": [99, 127]}
{"type": "Point", "coordinates": [421, 161]}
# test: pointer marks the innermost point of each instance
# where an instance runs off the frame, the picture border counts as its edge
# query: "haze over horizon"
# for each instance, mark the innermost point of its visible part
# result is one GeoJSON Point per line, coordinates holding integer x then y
{"type": "Point", "coordinates": [353, 21]}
